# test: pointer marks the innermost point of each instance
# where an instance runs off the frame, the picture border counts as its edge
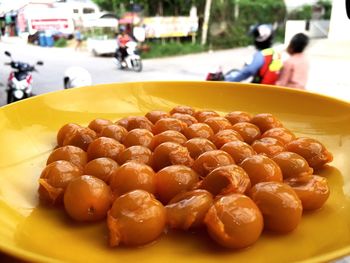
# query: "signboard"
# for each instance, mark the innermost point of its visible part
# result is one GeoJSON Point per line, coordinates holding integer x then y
{"type": "Point", "coordinates": [172, 26]}
{"type": "Point", "coordinates": [49, 24]}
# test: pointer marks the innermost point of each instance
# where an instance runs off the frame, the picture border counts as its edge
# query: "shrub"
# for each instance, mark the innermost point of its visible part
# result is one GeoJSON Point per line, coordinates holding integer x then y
{"type": "Point", "coordinates": [250, 12]}
{"type": "Point", "coordinates": [156, 49]}
{"type": "Point", "coordinates": [61, 42]}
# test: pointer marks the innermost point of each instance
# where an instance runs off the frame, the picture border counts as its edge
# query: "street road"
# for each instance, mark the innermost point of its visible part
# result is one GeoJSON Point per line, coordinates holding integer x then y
{"type": "Point", "coordinates": [323, 76]}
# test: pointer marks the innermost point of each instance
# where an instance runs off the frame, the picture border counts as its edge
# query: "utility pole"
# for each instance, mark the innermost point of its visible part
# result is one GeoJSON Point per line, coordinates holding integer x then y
{"type": "Point", "coordinates": [206, 22]}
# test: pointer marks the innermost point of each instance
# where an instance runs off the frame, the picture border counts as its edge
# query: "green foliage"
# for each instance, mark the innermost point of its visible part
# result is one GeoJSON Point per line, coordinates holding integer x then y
{"type": "Point", "coordinates": [100, 33]}
{"type": "Point", "coordinates": [151, 7]}
{"type": "Point", "coordinates": [232, 29]}
{"type": "Point", "coordinates": [61, 42]}
{"type": "Point", "coordinates": [303, 13]}
{"type": "Point", "coordinates": [327, 5]}
{"type": "Point", "coordinates": [248, 12]}
{"type": "Point", "coordinates": [158, 49]}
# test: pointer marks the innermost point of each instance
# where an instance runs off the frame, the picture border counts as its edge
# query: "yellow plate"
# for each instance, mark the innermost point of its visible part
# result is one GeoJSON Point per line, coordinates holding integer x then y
{"type": "Point", "coordinates": [27, 135]}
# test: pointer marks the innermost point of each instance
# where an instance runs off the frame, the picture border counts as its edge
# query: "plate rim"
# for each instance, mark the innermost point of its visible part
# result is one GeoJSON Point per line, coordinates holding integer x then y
{"type": "Point", "coordinates": [21, 253]}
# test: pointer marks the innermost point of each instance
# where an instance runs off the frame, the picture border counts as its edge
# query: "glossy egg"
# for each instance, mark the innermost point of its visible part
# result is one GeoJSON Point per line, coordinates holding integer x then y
{"type": "Point", "coordinates": [174, 179]}
{"type": "Point", "coordinates": [131, 176]}
{"type": "Point", "coordinates": [261, 168]}
{"type": "Point", "coordinates": [312, 150]}
{"type": "Point", "coordinates": [226, 180]}
{"type": "Point", "coordinates": [208, 161]}
{"type": "Point", "coordinates": [170, 153]}
{"type": "Point", "coordinates": [238, 150]}
{"type": "Point", "coordinates": [279, 204]}
{"type": "Point", "coordinates": [135, 219]}
{"type": "Point", "coordinates": [104, 147]}
{"type": "Point", "coordinates": [266, 121]}
{"type": "Point", "coordinates": [188, 209]}
{"type": "Point", "coordinates": [234, 221]}
{"type": "Point", "coordinates": [197, 146]}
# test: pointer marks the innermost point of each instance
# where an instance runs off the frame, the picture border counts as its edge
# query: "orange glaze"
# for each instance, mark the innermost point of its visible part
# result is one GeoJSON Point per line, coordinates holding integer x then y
{"type": "Point", "coordinates": [238, 150]}
{"type": "Point", "coordinates": [313, 193]}
{"type": "Point", "coordinates": [183, 109]}
{"type": "Point", "coordinates": [169, 153]}
{"type": "Point", "coordinates": [54, 179]}
{"type": "Point", "coordinates": [131, 176]}
{"type": "Point", "coordinates": [261, 168]}
{"type": "Point", "coordinates": [166, 124]}
{"type": "Point", "coordinates": [64, 131]}
{"type": "Point", "coordinates": [226, 180]}
{"type": "Point", "coordinates": [248, 131]}
{"type": "Point", "coordinates": [168, 136]}
{"type": "Point", "coordinates": [98, 124]}
{"type": "Point", "coordinates": [293, 166]}
{"type": "Point", "coordinates": [238, 116]}
{"type": "Point", "coordinates": [87, 199]}
{"type": "Point", "coordinates": [135, 122]}
{"type": "Point", "coordinates": [80, 137]}
{"type": "Point", "coordinates": [69, 153]}
{"type": "Point", "coordinates": [186, 118]}
{"type": "Point", "coordinates": [225, 136]}
{"type": "Point", "coordinates": [208, 161]}
{"type": "Point", "coordinates": [101, 168]}
{"type": "Point", "coordinates": [234, 221]}
{"type": "Point", "coordinates": [197, 146]}
{"type": "Point", "coordinates": [282, 134]}
{"type": "Point", "coordinates": [104, 147]}
{"type": "Point", "coordinates": [155, 115]}
{"type": "Point", "coordinates": [268, 146]}
{"type": "Point", "coordinates": [114, 131]}
{"type": "Point", "coordinates": [136, 153]}
{"type": "Point", "coordinates": [188, 209]}
{"type": "Point", "coordinates": [201, 130]}
{"type": "Point", "coordinates": [279, 204]}
{"type": "Point", "coordinates": [174, 179]}
{"type": "Point", "coordinates": [136, 218]}
{"type": "Point", "coordinates": [202, 115]}
{"type": "Point", "coordinates": [266, 121]}
{"type": "Point", "coordinates": [218, 124]}
{"type": "Point", "coordinates": [139, 137]}
{"type": "Point", "coordinates": [312, 150]}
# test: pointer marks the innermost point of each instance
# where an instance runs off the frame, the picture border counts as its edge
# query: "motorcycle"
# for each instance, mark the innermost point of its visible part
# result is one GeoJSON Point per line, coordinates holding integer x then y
{"type": "Point", "coordinates": [20, 81]}
{"type": "Point", "coordinates": [132, 60]}
{"type": "Point", "coordinates": [218, 75]}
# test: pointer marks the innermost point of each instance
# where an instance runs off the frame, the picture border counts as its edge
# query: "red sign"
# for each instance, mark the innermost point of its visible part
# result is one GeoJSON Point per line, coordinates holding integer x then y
{"type": "Point", "coordinates": [47, 24]}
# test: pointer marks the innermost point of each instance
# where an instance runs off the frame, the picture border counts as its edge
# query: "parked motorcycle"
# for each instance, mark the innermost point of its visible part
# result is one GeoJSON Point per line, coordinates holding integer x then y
{"type": "Point", "coordinates": [132, 60]}
{"type": "Point", "coordinates": [20, 81]}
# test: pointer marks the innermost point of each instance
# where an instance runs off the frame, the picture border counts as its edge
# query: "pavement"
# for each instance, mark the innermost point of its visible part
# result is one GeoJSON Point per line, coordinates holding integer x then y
{"type": "Point", "coordinates": [329, 63]}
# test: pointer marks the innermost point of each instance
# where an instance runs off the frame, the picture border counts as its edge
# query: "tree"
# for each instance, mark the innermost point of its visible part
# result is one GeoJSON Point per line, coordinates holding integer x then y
{"type": "Point", "coordinates": [153, 7]}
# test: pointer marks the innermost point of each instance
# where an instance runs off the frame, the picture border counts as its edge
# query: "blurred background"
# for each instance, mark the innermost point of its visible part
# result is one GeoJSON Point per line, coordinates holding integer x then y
{"type": "Point", "coordinates": [176, 39]}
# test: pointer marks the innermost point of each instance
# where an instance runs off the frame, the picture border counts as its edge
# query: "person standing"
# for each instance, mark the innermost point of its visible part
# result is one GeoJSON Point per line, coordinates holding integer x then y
{"type": "Point", "coordinates": [78, 38]}
{"type": "Point", "coordinates": [296, 68]}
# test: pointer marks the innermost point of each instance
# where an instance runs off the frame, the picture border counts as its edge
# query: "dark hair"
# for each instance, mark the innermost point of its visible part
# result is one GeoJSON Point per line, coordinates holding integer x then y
{"type": "Point", "coordinates": [298, 43]}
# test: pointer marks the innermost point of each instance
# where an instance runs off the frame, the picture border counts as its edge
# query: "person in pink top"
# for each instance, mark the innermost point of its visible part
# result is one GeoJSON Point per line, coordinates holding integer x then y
{"type": "Point", "coordinates": [296, 68]}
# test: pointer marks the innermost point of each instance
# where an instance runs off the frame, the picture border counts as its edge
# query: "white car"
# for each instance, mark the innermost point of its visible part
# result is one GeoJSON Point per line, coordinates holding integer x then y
{"type": "Point", "coordinates": [101, 46]}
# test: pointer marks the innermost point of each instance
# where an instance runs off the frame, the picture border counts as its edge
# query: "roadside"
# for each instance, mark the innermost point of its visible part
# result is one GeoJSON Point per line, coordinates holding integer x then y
{"type": "Point", "coordinates": [329, 61]}
{"type": "Point", "coordinates": [329, 66]}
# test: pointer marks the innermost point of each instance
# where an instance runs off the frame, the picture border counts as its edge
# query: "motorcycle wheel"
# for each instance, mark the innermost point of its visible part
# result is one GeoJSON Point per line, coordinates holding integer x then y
{"type": "Point", "coordinates": [137, 65]}
{"type": "Point", "coordinates": [117, 63]}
